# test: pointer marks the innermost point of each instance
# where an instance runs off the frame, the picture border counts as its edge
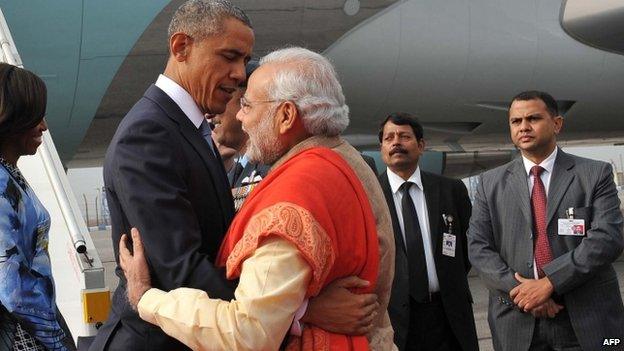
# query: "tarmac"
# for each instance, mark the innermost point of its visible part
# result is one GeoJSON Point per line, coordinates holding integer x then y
{"type": "Point", "coordinates": [103, 244]}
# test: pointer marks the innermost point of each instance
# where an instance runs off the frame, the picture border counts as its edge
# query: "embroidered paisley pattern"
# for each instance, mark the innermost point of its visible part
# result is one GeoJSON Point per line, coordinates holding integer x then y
{"type": "Point", "coordinates": [311, 339]}
{"type": "Point", "coordinates": [295, 224]}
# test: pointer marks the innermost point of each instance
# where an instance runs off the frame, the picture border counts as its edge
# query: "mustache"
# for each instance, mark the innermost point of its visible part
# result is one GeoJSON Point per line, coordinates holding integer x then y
{"type": "Point", "coordinates": [397, 149]}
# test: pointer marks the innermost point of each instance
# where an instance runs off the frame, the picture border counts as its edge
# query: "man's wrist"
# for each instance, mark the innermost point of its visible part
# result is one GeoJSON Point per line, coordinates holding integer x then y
{"type": "Point", "coordinates": [136, 293]}
{"type": "Point", "coordinates": [549, 286]}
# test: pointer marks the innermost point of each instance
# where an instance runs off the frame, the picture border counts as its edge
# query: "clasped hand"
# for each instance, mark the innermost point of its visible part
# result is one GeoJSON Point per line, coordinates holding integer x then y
{"type": "Point", "coordinates": [533, 295]}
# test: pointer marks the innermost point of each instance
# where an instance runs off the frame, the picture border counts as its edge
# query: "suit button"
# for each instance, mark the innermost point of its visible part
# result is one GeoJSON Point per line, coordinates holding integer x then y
{"type": "Point", "coordinates": [404, 305]}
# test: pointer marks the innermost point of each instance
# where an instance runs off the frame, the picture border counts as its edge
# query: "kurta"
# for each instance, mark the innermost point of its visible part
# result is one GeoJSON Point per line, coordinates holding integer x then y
{"type": "Point", "coordinates": [312, 211]}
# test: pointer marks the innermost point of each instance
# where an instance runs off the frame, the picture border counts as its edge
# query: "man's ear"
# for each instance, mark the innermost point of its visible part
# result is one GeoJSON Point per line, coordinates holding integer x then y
{"type": "Point", "coordinates": [422, 144]}
{"type": "Point", "coordinates": [558, 124]}
{"type": "Point", "coordinates": [288, 117]}
{"type": "Point", "coordinates": [180, 46]}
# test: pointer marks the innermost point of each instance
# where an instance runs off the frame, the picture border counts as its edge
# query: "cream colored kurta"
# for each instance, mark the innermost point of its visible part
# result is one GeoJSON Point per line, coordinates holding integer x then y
{"type": "Point", "coordinates": [272, 286]}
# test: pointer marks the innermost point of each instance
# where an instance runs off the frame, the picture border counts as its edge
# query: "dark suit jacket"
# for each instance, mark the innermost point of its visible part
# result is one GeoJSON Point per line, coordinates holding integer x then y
{"type": "Point", "coordinates": [443, 196]}
{"type": "Point", "coordinates": [161, 177]}
{"type": "Point", "coordinates": [501, 243]}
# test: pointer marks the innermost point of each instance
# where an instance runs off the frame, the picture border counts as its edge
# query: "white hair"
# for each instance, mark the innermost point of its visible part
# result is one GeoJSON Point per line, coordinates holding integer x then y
{"type": "Point", "coordinates": [202, 18]}
{"type": "Point", "coordinates": [309, 80]}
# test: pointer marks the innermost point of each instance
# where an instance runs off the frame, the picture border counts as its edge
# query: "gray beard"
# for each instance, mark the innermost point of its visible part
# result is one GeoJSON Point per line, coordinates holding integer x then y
{"type": "Point", "coordinates": [263, 146]}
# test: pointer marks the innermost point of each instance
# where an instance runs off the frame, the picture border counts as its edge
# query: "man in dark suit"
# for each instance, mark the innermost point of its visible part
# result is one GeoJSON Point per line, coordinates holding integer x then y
{"type": "Point", "coordinates": [543, 235]}
{"type": "Point", "coordinates": [163, 174]}
{"type": "Point", "coordinates": [430, 306]}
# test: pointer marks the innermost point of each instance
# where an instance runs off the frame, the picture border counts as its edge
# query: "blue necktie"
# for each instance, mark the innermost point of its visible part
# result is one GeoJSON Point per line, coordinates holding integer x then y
{"type": "Point", "coordinates": [206, 132]}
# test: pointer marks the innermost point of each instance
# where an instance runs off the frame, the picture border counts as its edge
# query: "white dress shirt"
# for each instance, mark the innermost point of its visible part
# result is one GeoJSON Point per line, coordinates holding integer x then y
{"type": "Point", "coordinates": [418, 197]}
{"type": "Point", "coordinates": [182, 98]}
{"type": "Point", "coordinates": [548, 164]}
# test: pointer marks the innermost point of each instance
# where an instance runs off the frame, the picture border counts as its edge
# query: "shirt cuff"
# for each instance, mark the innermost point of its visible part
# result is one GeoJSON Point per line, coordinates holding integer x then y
{"type": "Point", "coordinates": [148, 304]}
{"type": "Point", "coordinates": [297, 327]}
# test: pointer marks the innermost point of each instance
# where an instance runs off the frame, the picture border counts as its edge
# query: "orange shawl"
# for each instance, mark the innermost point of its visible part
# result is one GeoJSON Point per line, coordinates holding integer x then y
{"type": "Point", "coordinates": [315, 201]}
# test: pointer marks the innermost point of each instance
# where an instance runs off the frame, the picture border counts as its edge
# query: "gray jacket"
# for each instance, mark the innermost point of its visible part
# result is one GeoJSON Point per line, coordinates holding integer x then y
{"type": "Point", "coordinates": [500, 240]}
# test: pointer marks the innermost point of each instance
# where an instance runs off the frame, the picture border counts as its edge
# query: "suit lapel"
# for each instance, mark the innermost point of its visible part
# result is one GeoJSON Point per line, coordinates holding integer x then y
{"type": "Point", "coordinates": [191, 134]}
{"type": "Point", "coordinates": [432, 198]}
{"type": "Point", "coordinates": [559, 182]}
{"type": "Point", "coordinates": [520, 188]}
{"type": "Point", "coordinates": [385, 186]}
{"type": "Point", "coordinates": [212, 162]}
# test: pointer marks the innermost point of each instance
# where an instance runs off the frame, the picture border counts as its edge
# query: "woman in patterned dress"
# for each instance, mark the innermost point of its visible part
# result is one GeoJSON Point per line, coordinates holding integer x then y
{"type": "Point", "coordinates": [29, 318]}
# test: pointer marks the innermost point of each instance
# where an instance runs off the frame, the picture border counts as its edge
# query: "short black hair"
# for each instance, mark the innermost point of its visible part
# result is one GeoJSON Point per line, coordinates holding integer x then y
{"type": "Point", "coordinates": [23, 100]}
{"type": "Point", "coordinates": [401, 119]}
{"type": "Point", "coordinates": [549, 101]}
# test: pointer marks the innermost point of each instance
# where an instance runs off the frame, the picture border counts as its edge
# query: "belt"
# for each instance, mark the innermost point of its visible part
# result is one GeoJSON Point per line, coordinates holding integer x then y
{"type": "Point", "coordinates": [434, 297]}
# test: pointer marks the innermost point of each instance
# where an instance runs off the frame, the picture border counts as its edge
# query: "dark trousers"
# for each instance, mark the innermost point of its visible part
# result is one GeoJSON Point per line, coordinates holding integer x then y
{"type": "Point", "coordinates": [429, 328]}
{"type": "Point", "coordinates": [554, 334]}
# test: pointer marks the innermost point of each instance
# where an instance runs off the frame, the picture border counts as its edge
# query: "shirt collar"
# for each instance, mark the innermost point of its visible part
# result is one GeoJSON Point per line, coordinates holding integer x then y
{"type": "Point", "coordinates": [243, 160]}
{"type": "Point", "coordinates": [396, 181]}
{"type": "Point", "coordinates": [548, 164]}
{"type": "Point", "coordinates": [182, 98]}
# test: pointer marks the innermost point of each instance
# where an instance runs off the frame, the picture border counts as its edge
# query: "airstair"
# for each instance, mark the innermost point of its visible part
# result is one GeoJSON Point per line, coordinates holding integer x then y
{"type": "Point", "coordinates": [81, 294]}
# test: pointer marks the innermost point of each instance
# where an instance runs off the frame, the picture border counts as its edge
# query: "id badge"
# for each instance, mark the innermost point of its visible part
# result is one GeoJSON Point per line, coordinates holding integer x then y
{"type": "Point", "coordinates": [574, 227]}
{"type": "Point", "coordinates": [448, 244]}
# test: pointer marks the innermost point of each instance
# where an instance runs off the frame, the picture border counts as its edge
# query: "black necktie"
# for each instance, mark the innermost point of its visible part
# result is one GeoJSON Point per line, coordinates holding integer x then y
{"type": "Point", "coordinates": [418, 279]}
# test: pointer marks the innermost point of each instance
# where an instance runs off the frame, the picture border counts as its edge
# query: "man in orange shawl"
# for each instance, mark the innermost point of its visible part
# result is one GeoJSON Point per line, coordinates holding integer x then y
{"type": "Point", "coordinates": [308, 223]}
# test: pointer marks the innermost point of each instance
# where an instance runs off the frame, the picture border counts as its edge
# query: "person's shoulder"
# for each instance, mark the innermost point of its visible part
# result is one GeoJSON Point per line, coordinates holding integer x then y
{"type": "Point", "coordinates": [145, 132]}
{"type": "Point", "coordinates": [318, 157]}
{"type": "Point", "coordinates": [144, 119]}
{"type": "Point", "coordinates": [315, 164]}
{"type": "Point", "coordinates": [498, 172]}
{"type": "Point", "coordinates": [444, 182]}
{"type": "Point", "coordinates": [588, 170]}
{"type": "Point", "coordinates": [587, 163]}
{"type": "Point", "coordinates": [145, 111]}
{"type": "Point", "coordinates": [438, 177]}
